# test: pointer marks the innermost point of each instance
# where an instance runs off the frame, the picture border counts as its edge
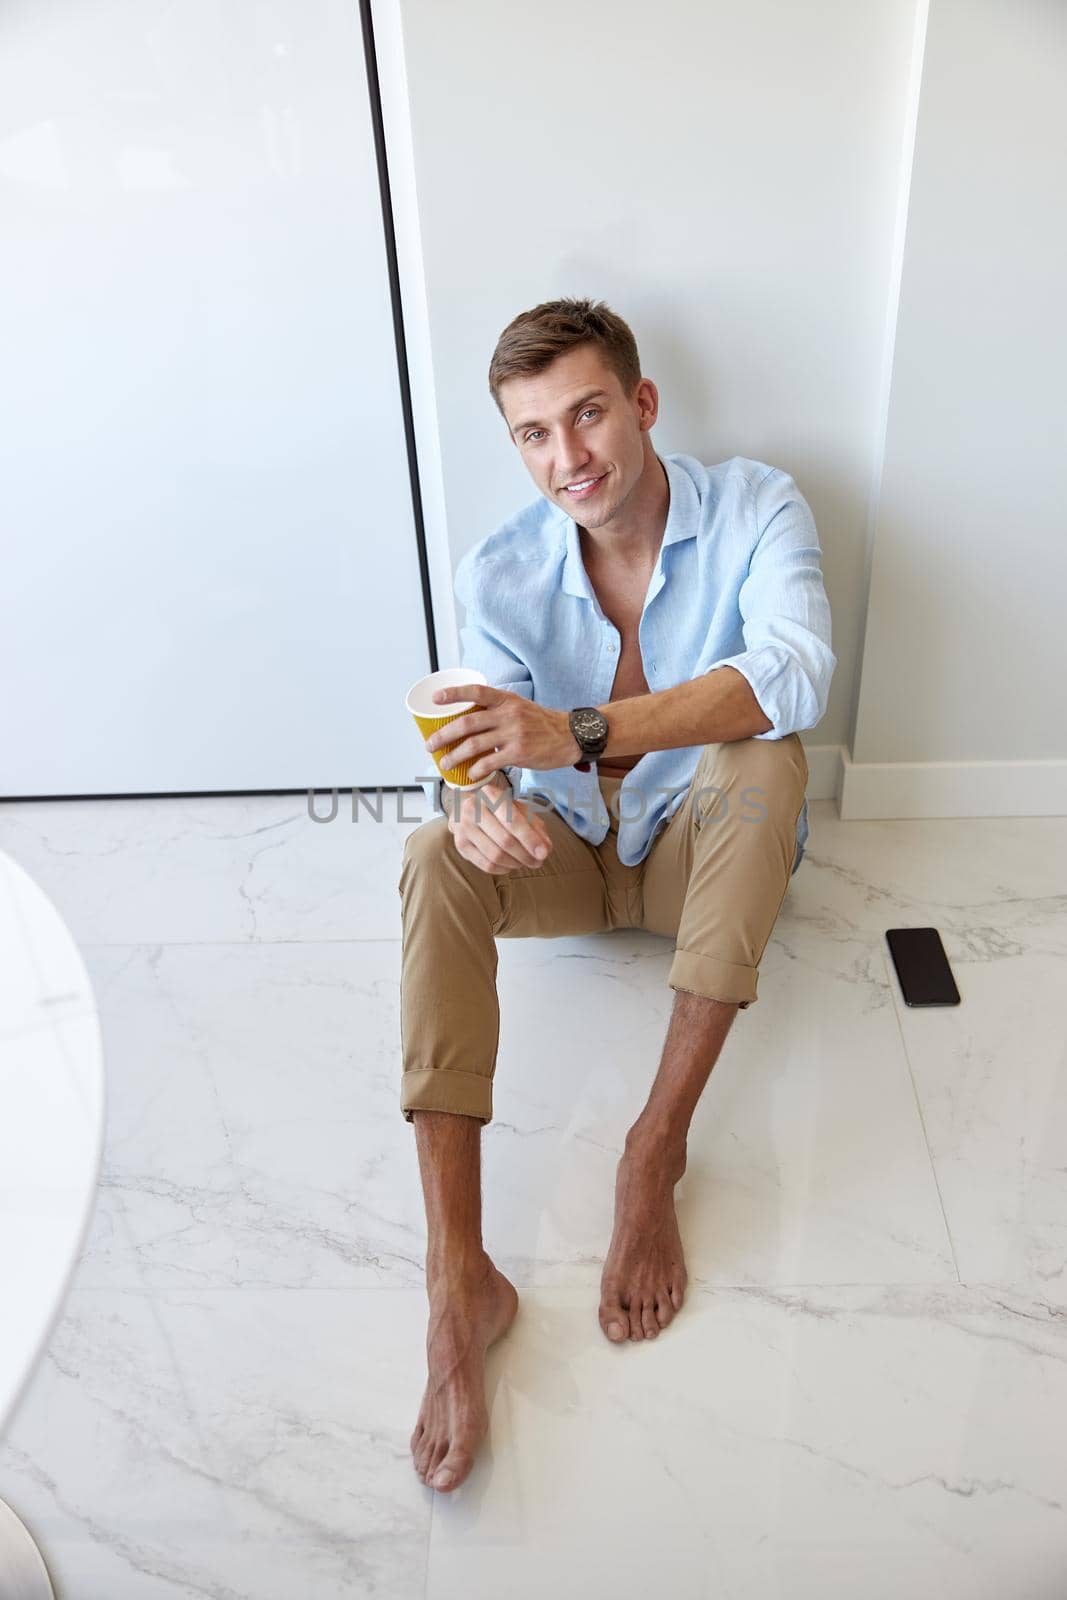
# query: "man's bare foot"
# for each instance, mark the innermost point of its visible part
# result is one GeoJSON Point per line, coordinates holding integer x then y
{"type": "Point", "coordinates": [644, 1278]}
{"type": "Point", "coordinates": [468, 1312]}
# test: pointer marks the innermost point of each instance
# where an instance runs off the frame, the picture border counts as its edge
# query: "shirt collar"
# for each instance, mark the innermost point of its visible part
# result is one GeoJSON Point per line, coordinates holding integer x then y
{"type": "Point", "coordinates": [683, 517]}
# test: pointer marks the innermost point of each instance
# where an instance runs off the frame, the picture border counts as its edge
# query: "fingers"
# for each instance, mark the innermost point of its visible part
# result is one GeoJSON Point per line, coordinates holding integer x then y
{"type": "Point", "coordinates": [538, 835]}
{"type": "Point", "coordinates": [471, 842]}
{"type": "Point", "coordinates": [528, 828]}
{"type": "Point", "coordinates": [461, 805]}
{"type": "Point", "coordinates": [458, 744]}
{"type": "Point", "coordinates": [499, 841]}
{"type": "Point", "coordinates": [471, 853]}
{"type": "Point", "coordinates": [515, 841]}
{"type": "Point", "coordinates": [468, 845]}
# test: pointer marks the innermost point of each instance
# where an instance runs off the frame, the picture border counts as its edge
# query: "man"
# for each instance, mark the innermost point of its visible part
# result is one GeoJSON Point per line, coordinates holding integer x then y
{"type": "Point", "coordinates": [654, 633]}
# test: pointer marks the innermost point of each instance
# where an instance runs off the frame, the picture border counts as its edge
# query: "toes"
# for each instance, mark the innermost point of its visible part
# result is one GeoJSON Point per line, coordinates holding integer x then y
{"type": "Point", "coordinates": [664, 1309]}
{"type": "Point", "coordinates": [435, 1458]}
{"type": "Point", "coordinates": [614, 1320]}
{"type": "Point", "coordinates": [423, 1456]}
{"type": "Point", "coordinates": [646, 1315]}
{"type": "Point", "coordinates": [457, 1463]}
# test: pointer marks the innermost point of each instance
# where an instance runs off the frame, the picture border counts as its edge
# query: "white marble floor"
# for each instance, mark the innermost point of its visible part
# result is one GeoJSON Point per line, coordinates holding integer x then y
{"type": "Point", "coordinates": [865, 1392]}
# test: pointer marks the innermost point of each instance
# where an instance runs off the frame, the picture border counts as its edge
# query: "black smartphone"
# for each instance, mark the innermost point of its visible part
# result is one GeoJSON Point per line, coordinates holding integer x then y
{"type": "Point", "coordinates": [922, 967]}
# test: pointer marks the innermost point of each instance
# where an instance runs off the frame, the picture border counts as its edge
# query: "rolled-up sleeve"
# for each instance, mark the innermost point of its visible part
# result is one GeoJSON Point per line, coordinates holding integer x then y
{"type": "Point", "coordinates": [785, 614]}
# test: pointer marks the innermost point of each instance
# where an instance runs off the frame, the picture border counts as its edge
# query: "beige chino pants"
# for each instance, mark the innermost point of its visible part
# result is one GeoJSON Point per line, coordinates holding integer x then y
{"type": "Point", "coordinates": [714, 881]}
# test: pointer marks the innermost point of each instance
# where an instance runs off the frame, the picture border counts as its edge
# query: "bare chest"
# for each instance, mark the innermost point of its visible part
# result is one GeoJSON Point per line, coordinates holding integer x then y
{"type": "Point", "coordinates": [622, 604]}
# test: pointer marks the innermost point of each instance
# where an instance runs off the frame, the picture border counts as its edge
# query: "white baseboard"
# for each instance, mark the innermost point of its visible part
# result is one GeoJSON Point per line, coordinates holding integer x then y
{"type": "Point", "coordinates": [865, 791]}
{"type": "Point", "coordinates": [897, 789]}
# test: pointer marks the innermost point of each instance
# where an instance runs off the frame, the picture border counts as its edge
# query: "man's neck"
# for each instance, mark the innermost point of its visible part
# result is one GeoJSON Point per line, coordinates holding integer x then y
{"type": "Point", "coordinates": [632, 543]}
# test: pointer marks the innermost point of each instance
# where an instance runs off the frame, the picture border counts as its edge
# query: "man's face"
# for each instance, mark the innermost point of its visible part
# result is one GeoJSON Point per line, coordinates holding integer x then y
{"type": "Point", "coordinates": [573, 422]}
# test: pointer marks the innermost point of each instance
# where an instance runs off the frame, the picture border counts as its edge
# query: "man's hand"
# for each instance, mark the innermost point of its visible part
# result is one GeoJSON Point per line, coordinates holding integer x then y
{"type": "Point", "coordinates": [506, 731]}
{"type": "Point", "coordinates": [500, 840]}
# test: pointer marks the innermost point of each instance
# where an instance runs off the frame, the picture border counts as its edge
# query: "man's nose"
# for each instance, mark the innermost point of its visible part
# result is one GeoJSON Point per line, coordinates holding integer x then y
{"type": "Point", "coordinates": [572, 459]}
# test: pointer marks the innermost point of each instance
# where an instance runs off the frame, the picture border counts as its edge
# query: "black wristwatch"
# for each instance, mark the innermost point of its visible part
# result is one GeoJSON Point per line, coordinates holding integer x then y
{"type": "Point", "coordinates": [590, 727]}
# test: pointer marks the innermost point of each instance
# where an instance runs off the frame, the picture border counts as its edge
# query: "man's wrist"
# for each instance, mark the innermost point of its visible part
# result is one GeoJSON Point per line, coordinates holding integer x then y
{"type": "Point", "coordinates": [571, 760]}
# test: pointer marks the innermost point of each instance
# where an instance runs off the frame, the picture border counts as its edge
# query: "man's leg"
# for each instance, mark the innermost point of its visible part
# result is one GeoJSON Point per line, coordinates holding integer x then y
{"type": "Point", "coordinates": [452, 913]}
{"type": "Point", "coordinates": [471, 1303]}
{"type": "Point", "coordinates": [644, 1277]}
{"type": "Point", "coordinates": [716, 878]}
{"type": "Point", "coordinates": [695, 1035]}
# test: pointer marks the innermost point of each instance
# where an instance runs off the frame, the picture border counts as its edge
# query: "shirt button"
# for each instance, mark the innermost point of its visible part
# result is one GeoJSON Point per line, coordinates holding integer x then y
{"type": "Point", "coordinates": [611, 647]}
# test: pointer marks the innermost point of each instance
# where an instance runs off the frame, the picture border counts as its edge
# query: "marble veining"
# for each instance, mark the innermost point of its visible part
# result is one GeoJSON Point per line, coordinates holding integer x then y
{"type": "Point", "coordinates": [864, 1391]}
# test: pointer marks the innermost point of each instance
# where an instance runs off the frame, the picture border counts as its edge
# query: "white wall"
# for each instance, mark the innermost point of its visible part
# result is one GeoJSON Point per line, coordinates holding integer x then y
{"type": "Point", "coordinates": [964, 659]}
{"type": "Point", "coordinates": [837, 230]}
{"type": "Point", "coordinates": [726, 177]}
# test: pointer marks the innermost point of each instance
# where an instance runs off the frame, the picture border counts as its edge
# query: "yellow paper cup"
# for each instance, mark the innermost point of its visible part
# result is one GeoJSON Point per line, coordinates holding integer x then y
{"type": "Point", "coordinates": [428, 716]}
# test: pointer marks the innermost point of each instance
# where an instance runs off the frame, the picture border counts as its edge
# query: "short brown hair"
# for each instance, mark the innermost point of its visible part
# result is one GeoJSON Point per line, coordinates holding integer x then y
{"type": "Point", "coordinates": [533, 340]}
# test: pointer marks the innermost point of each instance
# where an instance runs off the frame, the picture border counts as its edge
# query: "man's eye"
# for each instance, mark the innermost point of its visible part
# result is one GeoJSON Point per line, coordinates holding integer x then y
{"type": "Point", "coordinates": [590, 411]}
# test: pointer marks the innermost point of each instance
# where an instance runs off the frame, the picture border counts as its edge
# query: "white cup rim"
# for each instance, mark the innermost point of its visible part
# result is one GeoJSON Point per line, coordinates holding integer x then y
{"type": "Point", "coordinates": [418, 701]}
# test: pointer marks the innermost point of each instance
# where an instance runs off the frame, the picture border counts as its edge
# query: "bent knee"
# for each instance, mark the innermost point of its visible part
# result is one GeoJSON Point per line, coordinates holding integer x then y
{"type": "Point", "coordinates": [763, 773]}
{"type": "Point", "coordinates": [425, 846]}
{"type": "Point", "coordinates": [743, 756]}
{"type": "Point", "coordinates": [427, 839]}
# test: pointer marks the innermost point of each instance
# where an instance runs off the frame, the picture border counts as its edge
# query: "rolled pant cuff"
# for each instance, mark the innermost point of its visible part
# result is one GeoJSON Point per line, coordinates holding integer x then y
{"type": "Point", "coordinates": [469, 1094]}
{"type": "Point", "coordinates": [712, 978]}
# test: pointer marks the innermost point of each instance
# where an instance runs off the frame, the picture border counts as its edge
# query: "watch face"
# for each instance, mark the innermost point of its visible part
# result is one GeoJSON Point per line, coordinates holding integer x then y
{"type": "Point", "coordinates": [589, 724]}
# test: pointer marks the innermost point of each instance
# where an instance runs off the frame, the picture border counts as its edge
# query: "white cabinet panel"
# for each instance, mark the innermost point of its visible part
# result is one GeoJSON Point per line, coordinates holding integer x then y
{"type": "Point", "coordinates": [210, 569]}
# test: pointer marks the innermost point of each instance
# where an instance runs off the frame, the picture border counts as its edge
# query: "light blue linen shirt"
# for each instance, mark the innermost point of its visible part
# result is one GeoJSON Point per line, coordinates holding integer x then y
{"type": "Point", "coordinates": [738, 583]}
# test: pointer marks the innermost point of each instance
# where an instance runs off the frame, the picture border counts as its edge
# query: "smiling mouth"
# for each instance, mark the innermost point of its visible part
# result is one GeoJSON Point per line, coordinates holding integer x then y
{"type": "Point", "coordinates": [590, 487]}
